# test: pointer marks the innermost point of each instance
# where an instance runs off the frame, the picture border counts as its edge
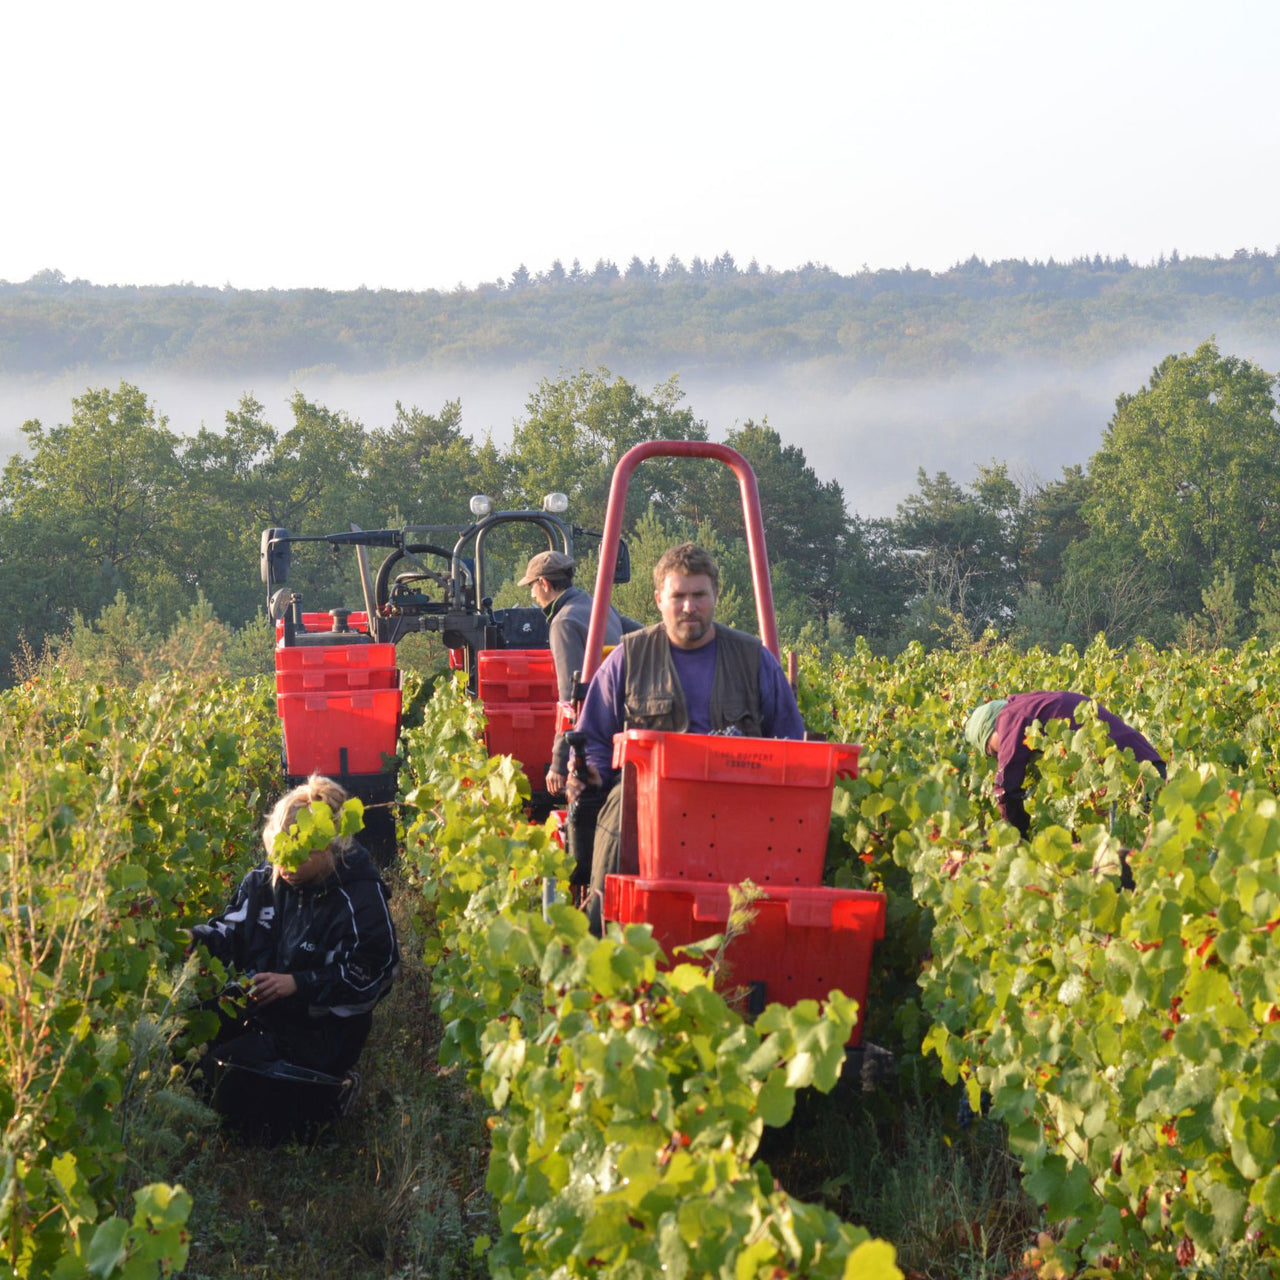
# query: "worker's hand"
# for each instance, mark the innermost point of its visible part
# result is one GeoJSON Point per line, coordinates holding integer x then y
{"type": "Point", "coordinates": [270, 987]}
{"type": "Point", "coordinates": [576, 784]}
{"type": "Point", "coordinates": [555, 782]}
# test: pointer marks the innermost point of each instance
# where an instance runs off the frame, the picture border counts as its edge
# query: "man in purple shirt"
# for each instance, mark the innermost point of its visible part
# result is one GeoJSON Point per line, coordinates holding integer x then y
{"type": "Point", "coordinates": [686, 674]}
{"type": "Point", "coordinates": [999, 728]}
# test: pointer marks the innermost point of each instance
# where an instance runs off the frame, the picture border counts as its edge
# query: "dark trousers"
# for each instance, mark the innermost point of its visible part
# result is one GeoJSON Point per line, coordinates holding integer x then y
{"type": "Point", "coordinates": [607, 857]}
{"type": "Point", "coordinates": [250, 1038]}
{"type": "Point", "coordinates": [273, 1079]}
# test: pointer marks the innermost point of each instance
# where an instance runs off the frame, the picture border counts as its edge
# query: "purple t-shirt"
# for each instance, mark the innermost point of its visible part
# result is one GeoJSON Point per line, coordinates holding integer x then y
{"type": "Point", "coordinates": [603, 709]}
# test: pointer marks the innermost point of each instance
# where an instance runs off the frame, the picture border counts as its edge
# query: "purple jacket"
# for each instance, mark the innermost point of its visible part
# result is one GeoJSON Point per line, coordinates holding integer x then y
{"type": "Point", "coordinates": [1013, 755]}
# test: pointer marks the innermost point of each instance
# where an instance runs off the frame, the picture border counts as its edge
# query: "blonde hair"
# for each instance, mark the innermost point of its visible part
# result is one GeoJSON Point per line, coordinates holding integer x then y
{"type": "Point", "coordinates": [285, 811]}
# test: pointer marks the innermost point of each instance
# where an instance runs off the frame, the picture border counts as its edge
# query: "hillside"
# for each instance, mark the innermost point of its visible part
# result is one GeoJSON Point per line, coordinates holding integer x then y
{"type": "Point", "coordinates": [714, 316]}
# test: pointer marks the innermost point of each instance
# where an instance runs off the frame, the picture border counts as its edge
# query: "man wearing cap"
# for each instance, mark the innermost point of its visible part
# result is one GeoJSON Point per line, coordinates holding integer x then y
{"type": "Point", "coordinates": [999, 728]}
{"type": "Point", "coordinates": [549, 577]}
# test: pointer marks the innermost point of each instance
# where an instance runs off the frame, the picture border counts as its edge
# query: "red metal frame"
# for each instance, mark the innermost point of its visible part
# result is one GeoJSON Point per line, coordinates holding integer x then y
{"type": "Point", "coordinates": [613, 531]}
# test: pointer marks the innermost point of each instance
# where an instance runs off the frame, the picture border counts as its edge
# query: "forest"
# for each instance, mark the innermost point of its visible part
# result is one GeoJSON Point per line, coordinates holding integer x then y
{"type": "Point", "coordinates": [711, 315]}
{"type": "Point", "coordinates": [112, 525]}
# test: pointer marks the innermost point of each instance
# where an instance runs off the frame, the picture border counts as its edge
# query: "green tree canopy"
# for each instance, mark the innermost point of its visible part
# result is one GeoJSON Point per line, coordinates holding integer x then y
{"type": "Point", "coordinates": [109, 478]}
{"type": "Point", "coordinates": [425, 469]}
{"type": "Point", "coordinates": [806, 523]}
{"type": "Point", "coordinates": [578, 426]}
{"type": "Point", "coordinates": [1053, 518]}
{"type": "Point", "coordinates": [1190, 465]}
{"type": "Point", "coordinates": [250, 476]}
{"type": "Point", "coordinates": [89, 510]}
{"type": "Point", "coordinates": [228, 474]}
{"type": "Point", "coordinates": [963, 544]}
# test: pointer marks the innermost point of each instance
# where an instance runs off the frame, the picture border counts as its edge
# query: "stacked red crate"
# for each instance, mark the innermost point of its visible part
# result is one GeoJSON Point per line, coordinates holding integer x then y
{"type": "Point", "coordinates": [714, 811]}
{"type": "Point", "coordinates": [339, 707]}
{"type": "Point", "coordinates": [519, 691]}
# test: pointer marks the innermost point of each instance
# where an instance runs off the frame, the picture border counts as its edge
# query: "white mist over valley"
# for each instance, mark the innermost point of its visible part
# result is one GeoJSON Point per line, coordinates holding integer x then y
{"type": "Point", "coordinates": [870, 436]}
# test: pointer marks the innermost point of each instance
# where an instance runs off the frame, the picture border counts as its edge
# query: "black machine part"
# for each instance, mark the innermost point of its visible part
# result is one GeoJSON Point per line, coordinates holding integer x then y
{"type": "Point", "coordinates": [404, 597]}
{"type": "Point", "coordinates": [384, 587]}
{"type": "Point", "coordinates": [464, 583]}
{"type": "Point", "coordinates": [273, 562]}
{"type": "Point", "coordinates": [366, 577]}
{"type": "Point", "coordinates": [621, 565]}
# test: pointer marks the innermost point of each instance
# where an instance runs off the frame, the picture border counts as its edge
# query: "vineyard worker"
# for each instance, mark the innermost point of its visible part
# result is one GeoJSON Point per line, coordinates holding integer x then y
{"type": "Point", "coordinates": [549, 577]}
{"type": "Point", "coordinates": [999, 729]}
{"type": "Point", "coordinates": [315, 948]}
{"type": "Point", "coordinates": [685, 674]}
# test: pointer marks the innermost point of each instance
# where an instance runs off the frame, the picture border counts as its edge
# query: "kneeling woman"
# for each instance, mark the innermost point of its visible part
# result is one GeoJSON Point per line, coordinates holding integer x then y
{"type": "Point", "coordinates": [315, 949]}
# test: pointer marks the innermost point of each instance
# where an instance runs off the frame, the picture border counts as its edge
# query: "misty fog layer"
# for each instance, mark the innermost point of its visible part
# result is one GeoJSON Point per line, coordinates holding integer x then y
{"type": "Point", "coordinates": [870, 436]}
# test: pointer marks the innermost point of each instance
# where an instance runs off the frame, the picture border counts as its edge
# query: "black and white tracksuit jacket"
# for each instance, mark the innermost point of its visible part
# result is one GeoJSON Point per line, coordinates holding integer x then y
{"type": "Point", "coordinates": [335, 936]}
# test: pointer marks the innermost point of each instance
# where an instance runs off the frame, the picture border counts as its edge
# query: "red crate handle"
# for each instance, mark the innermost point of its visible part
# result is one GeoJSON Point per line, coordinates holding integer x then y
{"type": "Point", "coordinates": [807, 912]}
{"type": "Point", "coordinates": [633, 745]}
{"type": "Point", "coordinates": [846, 759]}
{"type": "Point", "coordinates": [712, 907]}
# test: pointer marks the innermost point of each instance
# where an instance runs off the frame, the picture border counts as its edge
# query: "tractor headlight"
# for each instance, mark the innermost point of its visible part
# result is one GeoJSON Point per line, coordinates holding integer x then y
{"type": "Point", "coordinates": [481, 505]}
{"type": "Point", "coordinates": [556, 503]}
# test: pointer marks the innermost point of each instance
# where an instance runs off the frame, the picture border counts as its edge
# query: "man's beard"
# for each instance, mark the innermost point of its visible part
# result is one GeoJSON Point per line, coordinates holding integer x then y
{"type": "Point", "coordinates": [692, 628]}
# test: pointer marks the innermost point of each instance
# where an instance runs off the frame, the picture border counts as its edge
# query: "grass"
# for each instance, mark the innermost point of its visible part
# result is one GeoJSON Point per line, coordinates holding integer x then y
{"type": "Point", "coordinates": [948, 1197]}
{"type": "Point", "coordinates": [394, 1189]}
{"type": "Point", "coordinates": [897, 1163]}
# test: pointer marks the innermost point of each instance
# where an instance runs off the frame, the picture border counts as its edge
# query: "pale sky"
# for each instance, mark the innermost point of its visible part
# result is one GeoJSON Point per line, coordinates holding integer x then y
{"type": "Point", "coordinates": [286, 144]}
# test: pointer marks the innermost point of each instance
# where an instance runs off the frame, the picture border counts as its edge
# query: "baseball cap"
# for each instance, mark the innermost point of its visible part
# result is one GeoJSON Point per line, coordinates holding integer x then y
{"type": "Point", "coordinates": [546, 564]}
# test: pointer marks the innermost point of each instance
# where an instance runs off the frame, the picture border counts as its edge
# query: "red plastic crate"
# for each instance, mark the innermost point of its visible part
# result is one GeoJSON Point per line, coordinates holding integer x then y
{"type": "Point", "coordinates": [527, 734]}
{"type": "Point", "coordinates": [727, 809]}
{"type": "Point", "coordinates": [317, 725]}
{"type": "Point", "coordinates": [505, 676]}
{"type": "Point", "coordinates": [803, 943]}
{"type": "Point", "coordinates": [336, 679]}
{"type": "Point", "coordinates": [323, 622]}
{"type": "Point", "coordinates": [321, 656]}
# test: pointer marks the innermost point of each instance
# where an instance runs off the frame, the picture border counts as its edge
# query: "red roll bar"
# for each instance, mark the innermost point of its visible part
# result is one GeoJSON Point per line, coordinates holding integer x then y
{"type": "Point", "coordinates": [613, 531]}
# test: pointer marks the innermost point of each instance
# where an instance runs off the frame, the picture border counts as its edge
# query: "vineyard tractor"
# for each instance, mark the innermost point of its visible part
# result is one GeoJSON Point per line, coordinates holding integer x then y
{"type": "Point", "coordinates": [702, 813]}
{"type": "Point", "coordinates": [338, 685]}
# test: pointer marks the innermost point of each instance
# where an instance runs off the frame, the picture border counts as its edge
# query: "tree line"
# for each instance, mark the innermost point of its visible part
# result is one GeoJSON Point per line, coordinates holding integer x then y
{"type": "Point", "coordinates": [1172, 531]}
{"type": "Point", "coordinates": [711, 314]}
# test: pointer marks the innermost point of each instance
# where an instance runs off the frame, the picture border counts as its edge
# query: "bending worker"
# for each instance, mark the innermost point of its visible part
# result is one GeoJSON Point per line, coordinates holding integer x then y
{"type": "Point", "coordinates": [686, 674]}
{"type": "Point", "coordinates": [999, 729]}
{"type": "Point", "coordinates": [549, 577]}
